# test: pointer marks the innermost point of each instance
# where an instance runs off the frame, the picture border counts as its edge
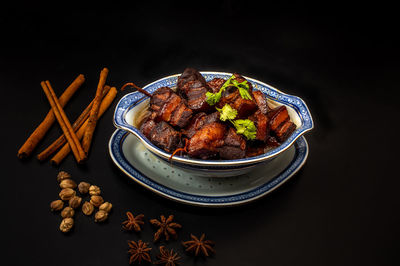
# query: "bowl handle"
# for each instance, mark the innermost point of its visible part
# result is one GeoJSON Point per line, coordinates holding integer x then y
{"type": "Point", "coordinates": [123, 106]}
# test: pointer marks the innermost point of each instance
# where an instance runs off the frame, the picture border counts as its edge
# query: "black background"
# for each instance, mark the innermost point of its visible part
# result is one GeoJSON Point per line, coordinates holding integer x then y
{"type": "Point", "coordinates": [342, 208]}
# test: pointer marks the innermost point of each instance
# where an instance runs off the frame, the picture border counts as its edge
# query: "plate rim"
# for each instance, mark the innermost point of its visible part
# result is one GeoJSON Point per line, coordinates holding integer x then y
{"type": "Point", "coordinates": [278, 180]}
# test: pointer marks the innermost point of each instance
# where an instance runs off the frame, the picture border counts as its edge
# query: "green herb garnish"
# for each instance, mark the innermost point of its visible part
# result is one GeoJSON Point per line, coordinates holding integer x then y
{"type": "Point", "coordinates": [243, 87]}
{"type": "Point", "coordinates": [213, 98]}
{"type": "Point", "coordinates": [244, 127]}
{"type": "Point", "coordinates": [227, 112]}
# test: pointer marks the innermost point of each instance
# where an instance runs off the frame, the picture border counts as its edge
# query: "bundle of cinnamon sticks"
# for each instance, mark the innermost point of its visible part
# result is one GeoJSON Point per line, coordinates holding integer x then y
{"type": "Point", "coordinates": [82, 129]}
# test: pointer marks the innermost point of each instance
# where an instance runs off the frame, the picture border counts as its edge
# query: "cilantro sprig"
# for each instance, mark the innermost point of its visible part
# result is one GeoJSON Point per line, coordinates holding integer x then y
{"type": "Point", "coordinates": [227, 112]}
{"type": "Point", "coordinates": [244, 127]}
{"type": "Point", "coordinates": [243, 87]}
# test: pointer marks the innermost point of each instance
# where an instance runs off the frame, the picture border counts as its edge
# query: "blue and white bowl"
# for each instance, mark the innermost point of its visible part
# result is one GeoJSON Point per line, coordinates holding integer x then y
{"type": "Point", "coordinates": [129, 109]}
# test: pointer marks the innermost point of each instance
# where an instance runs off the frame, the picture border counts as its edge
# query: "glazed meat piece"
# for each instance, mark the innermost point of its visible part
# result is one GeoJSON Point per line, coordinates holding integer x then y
{"type": "Point", "coordinates": [159, 98]}
{"type": "Point", "coordinates": [181, 116]}
{"type": "Point", "coordinates": [169, 107]}
{"type": "Point", "coordinates": [193, 87]}
{"type": "Point", "coordinates": [196, 99]}
{"type": "Point", "coordinates": [234, 146]}
{"type": "Point", "coordinates": [232, 97]}
{"type": "Point", "coordinates": [244, 107]}
{"type": "Point", "coordinates": [164, 136]}
{"type": "Point", "coordinates": [285, 130]}
{"type": "Point", "coordinates": [261, 101]}
{"type": "Point", "coordinates": [190, 74]}
{"type": "Point", "coordinates": [215, 84]}
{"type": "Point", "coordinates": [261, 122]}
{"type": "Point", "coordinates": [198, 121]}
{"type": "Point", "coordinates": [147, 127]}
{"type": "Point", "coordinates": [206, 142]}
{"type": "Point", "coordinates": [278, 116]}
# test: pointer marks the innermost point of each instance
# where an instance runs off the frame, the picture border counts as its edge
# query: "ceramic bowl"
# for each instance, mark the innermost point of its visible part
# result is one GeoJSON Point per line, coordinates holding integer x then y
{"type": "Point", "coordinates": [128, 112]}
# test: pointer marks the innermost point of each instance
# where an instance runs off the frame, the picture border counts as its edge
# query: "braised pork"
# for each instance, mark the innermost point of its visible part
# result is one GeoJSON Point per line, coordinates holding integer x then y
{"type": "Point", "coordinates": [261, 101]}
{"type": "Point", "coordinates": [206, 142]}
{"type": "Point", "coordinates": [232, 97]}
{"type": "Point", "coordinates": [198, 121]}
{"type": "Point", "coordinates": [215, 84]}
{"type": "Point", "coordinates": [185, 116]}
{"type": "Point", "coordinates": [285, 130]}
{"type": "Point", "coordinates": [234, 146]}
{"type": "Point", "coordinates": [164, 136]}
{"type": "Point", "coordinates": [278, 116]}
{"type": "Point", "coordinates": [261, 122]}
{"type": "Point", "coordinates": [170, 107]}
{"type": "Point", "coordinates": [192, 86]}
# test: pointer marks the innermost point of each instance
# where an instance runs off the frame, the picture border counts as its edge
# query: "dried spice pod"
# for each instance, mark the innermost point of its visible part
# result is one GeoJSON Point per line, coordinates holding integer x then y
{"type": "Point", "coordinates": [166, 228]}
{"type": "Point", "coordinates": [67, 212]}
{"type": "Point", "coordinates": [106, 206]}
{"type": "Point", "coordinates": [75, 202]}
{"type": "Point", "coordinates": [67, 193]}
{"type": "Point", "coordinates": [56, 205]}
{"type": "Point", "coordinates": [63, 175]}
{"type": "Point", "coordinates": [199, 245]}
{"type": "Point", "coordinates": [133, 223]}
{"type": "Point", "coordinates": [94, 190]}
{"type": "Point", "coordinates": [100, 216]}
{"type": "Point", "coordinates": [87, 208]}
{"type": "Point", "coordinates": [139, 251]}
{"type": "Point", "coordinates": [96, 200]}
{"type": "Point", "coordinates": [167, 257]}
{"type": "Point", "coordinates": [66, 225]}
{"type": "Point", "coordinates": [83, 187]}
{"type": "Point", "coordinates": [68, 183]}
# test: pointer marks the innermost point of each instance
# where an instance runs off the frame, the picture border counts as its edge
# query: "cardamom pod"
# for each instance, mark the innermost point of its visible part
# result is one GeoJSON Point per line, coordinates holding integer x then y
{"type": "Point", "coordinates": [94, 190]}
{"type": "Point", "coordinates": [96, 200]}
{"type": "Point", "coordinates": [100, 216]}
{"type": "Point", "coordinates": [68, 212]}
{"type": "Point", "coordinates": [66, 225]}
{"type": "Point", "coordinates": [67, 193]}
{"type": "Point", "coordinates": [87, 208]}
{"type": "Point", "coordinates": [83, 187]}
{"type": "Point", "coordinates": [56, 205]}
{"type": "Point", "coordinates": [68, 183]}
{"type": "Point", "coordinates": [75, 201]}
{"type": "Point", "coordinates": [106, 206]}
{"type": "Point", "coordinates": [63, 175]}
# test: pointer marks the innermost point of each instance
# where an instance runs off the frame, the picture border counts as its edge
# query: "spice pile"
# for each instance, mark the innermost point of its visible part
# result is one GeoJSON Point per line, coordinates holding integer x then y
{"type": "Point", "coordinates": [140, 251]}
{"type": "Point", "coordinates": [82, 129]}
{"type": "Point", "coordinates": [68, 194]}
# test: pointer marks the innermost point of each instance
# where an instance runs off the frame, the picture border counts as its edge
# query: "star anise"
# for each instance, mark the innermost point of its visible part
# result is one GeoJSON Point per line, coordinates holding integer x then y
{"type": "Point", "coordinates": [168, 258]}
{"type": "Point", "coordinates": [166, 227]}
{"type": "Point", "coordinates": [139, 251]}
{"type": "Point", "coordinates": [197, 245]}
{"type": "Point", "coordinates": [133, 222]}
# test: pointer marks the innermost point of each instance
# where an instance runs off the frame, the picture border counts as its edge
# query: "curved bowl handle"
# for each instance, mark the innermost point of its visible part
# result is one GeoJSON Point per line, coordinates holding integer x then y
{"type": "Point", "coordinates": [124, 105]}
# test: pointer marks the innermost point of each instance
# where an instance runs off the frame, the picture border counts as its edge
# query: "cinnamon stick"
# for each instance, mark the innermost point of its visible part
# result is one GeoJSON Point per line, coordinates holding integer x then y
{"type": "Point", "coordinates": [64, 151]}
{"type": "Point", "coordinates": [38, 134]}
{"type": "Point", "coordinates": [76, 125]}
{"type": "Point", "coordinates": [92, 121]}
{"type": "Point", "coordinates": [65, 125]}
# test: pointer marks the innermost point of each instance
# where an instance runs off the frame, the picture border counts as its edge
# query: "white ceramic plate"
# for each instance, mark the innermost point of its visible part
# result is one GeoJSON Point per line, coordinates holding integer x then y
{"type": "Point", "coordinates": [187, 186]}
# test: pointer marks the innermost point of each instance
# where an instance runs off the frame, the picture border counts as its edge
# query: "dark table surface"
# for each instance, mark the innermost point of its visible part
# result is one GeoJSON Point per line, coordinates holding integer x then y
{"type": "Point", "coordinates": [341, 208]}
